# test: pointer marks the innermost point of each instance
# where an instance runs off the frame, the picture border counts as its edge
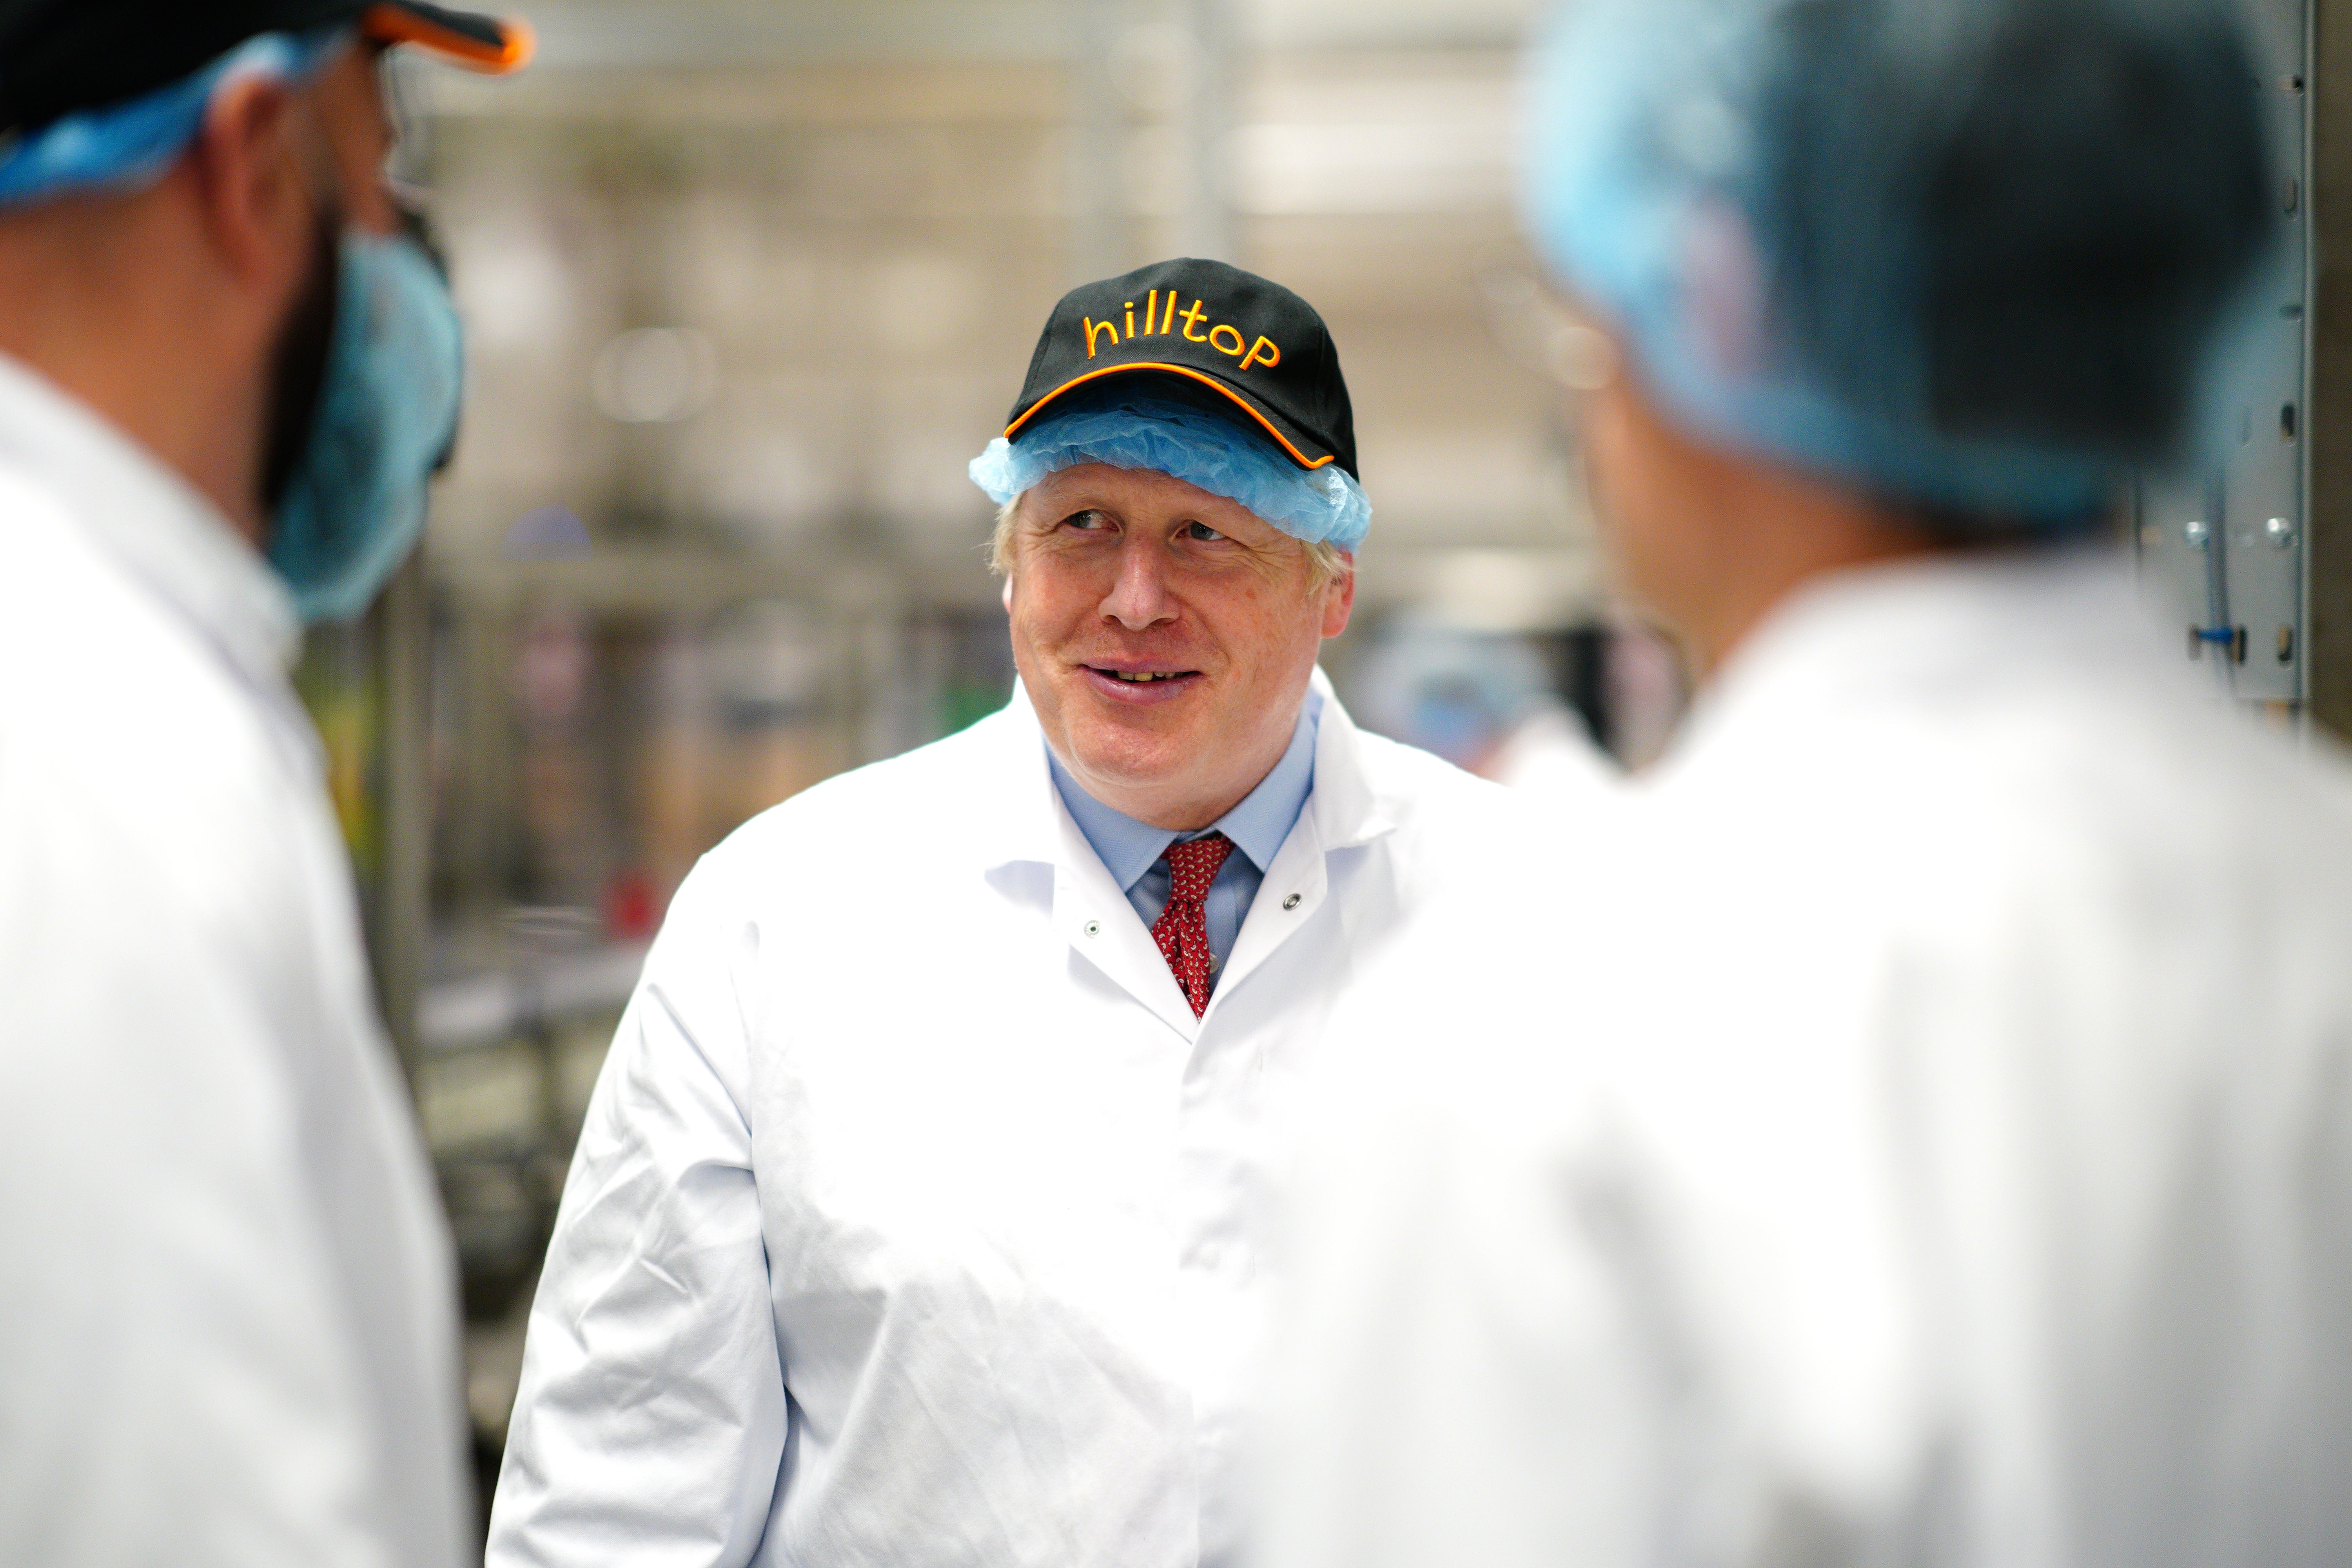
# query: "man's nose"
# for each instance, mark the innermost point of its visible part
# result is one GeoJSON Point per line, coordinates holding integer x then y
{"type": "Point", "coordinates": [1138, 596]}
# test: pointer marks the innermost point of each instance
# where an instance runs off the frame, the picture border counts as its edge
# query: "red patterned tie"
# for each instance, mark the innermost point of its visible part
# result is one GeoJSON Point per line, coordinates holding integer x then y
{"type": "Point", "coordinates": [1182, 929]}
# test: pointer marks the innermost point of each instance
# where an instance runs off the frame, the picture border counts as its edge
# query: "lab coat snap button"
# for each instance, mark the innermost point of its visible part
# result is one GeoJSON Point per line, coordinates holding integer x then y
{"type": "Point", "coordinates": [1291, 903]}
{"type": "Point", "coordinates": [1093, 928]}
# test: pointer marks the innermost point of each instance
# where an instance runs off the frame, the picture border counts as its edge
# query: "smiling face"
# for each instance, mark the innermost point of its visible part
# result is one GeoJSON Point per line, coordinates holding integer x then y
{"type": "Point", "coordinates": [1165, 636]}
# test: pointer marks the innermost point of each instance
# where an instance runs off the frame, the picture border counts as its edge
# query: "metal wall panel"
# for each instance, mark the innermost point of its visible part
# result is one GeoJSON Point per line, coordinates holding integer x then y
{"type": "Point", "coordinates": [2327, 545]}
{"type": "Point", "coordinates": [2227, 558]}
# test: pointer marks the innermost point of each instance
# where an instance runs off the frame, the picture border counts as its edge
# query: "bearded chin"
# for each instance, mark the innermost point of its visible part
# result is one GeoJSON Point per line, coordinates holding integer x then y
{"type": "Point", "coordinates": [297, 365]}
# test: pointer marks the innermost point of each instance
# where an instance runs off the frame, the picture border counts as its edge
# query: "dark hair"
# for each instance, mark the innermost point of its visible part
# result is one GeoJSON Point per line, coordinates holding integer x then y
{"type": "Point", "coordinates": [2038, 244]}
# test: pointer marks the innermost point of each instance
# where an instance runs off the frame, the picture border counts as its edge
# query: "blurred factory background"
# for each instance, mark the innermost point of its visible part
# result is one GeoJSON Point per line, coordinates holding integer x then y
{"type": "Point", "coordinates": [749, 282]}
{"type": "Point", "coordinates": [747, 285]}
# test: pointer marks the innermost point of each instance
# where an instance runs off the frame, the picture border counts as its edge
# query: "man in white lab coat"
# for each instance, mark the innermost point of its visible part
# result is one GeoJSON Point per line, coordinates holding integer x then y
{"type": "Point", "coordinates": [227, 1315]}
{"type": "Point", "coordinates": [914, 1217]}
{"type": "Point", "coordinates": [1952, 1161]}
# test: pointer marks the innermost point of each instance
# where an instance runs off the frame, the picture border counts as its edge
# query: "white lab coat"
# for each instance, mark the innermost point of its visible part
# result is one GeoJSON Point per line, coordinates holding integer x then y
{"type": "Point", "coordinates": [1948, 1159]}
{"type": "Point", "coordinates": [914, 1217]}
{"type": "Point", "coordinates": [227, 1310]}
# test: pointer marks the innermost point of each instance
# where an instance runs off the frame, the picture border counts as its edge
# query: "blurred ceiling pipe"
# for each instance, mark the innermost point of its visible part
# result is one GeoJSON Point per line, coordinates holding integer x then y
{"type": "Point", "coordinates": [1098, 205]}
{"type": "Point", "coordinates": [1207, 226]}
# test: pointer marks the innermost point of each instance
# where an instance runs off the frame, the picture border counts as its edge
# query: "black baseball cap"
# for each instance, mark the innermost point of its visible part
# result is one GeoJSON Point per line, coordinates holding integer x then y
{"type": "Point", "coordinates": [57, 57]}
{"type": "Point", "coordinates": [1210, 334]}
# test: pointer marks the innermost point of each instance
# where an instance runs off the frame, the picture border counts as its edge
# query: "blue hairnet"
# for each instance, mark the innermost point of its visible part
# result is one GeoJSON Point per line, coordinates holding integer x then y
{"type": "Point", "coordinates": [1315, 505]}
{"type": "Point", "coordinates": [1977, 255]}
{"type": "Point", "coordinates": [124, 145]}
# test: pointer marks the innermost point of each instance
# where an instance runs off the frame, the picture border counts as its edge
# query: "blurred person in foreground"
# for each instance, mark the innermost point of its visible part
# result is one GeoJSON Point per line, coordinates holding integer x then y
{"type": "Point", "coordinates": [1953, 1162]}
{"type": "Point", "coordinates": [228, 1313]}
{"type": "Point", "coordinates": [914, 1220]}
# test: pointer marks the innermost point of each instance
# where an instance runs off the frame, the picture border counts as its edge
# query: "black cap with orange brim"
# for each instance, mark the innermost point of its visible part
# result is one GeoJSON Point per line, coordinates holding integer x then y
{"type": "Point", "coordinates": [491, 45]}
{"type": "Point", "coordinates": [58, 57]}
{"type": "Point", "coordinates": [1206, 333]}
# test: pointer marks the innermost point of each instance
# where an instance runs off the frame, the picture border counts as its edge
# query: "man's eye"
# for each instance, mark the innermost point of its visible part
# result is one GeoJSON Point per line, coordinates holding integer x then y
{"type": "Point", "coordinates": [1089, 520]}
{"type": "Point", "coordinates": [1201, 531]}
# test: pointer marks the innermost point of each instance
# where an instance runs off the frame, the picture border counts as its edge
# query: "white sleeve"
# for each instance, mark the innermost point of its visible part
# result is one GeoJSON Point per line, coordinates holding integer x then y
{"type": "Point", "coordinates": [179, 1378]}
{"type": "Point", "coordinates": [649, 1427]}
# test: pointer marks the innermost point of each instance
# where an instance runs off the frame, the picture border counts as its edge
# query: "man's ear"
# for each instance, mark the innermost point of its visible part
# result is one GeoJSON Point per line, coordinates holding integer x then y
{"type": "Point", "coordinates": [254, 183]}
{"type": "Point", "coordinates": [1008, 593]}
{"type": "Point", "coordinates": [1339, 600]}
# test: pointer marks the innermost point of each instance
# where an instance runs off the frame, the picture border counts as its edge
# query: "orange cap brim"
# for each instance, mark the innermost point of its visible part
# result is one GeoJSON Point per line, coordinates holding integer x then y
{"type": "Point", "coordinates": [510, 51]}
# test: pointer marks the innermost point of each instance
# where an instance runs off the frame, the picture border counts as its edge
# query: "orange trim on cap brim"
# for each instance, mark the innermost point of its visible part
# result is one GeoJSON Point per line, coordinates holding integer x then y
{"type": "Point", "coordinates": [392, 25]}
{"type": "Point", "coordinates": [1209, 380]}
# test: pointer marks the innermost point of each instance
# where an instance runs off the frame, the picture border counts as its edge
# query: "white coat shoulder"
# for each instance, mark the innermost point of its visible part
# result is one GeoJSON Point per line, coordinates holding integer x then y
{"type": "Point", "coordinates": [918, 814]}
{"type": "Point", "coordinates": [812, 887]}
{"type": "Point", "coordinates": [1422, 786]}
{"type": "Point", "coordinates": [1460, 838]}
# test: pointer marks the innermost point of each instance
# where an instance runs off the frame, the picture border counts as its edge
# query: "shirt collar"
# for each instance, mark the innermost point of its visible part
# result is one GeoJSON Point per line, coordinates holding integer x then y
{"type": "Point", "coordinates": [153, 523]}
{"type": "Point", "coordinates": [1257, 825]}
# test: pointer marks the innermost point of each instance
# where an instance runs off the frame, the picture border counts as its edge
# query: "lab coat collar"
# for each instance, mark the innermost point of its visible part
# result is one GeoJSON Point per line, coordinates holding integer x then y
{"type": "Point", "coordinates": [153, 523]}
{"type": "Point", "coordinates": [1346, 810]}
{"type": "Point", "coordinates": [1090, 911]}
{"type": "Point", "coordinates": [1024, 817]}
{"type": "Point", "coordinates": [1021, 812]}
{"type": "Point", "coordinates": [1027, 821]}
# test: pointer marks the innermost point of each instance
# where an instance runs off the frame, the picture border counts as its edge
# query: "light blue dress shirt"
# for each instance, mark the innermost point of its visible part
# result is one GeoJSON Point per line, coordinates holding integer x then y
{"type": "Point", "coordinates": [1135, 852]}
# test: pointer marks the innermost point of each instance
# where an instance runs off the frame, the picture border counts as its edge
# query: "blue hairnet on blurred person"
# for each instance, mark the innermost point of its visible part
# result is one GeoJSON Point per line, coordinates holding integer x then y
{"type": "Point", "coordinates": [1920, 1130]}
{"type": "Point", "coordinates": [1972, 257]}
{"type": "Point", "coordinates": [228, 367]}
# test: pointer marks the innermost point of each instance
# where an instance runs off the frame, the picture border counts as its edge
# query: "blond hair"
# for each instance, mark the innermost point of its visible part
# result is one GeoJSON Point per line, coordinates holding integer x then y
{"type": "Point", "coordinates": [1325, 561]}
